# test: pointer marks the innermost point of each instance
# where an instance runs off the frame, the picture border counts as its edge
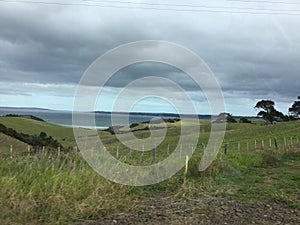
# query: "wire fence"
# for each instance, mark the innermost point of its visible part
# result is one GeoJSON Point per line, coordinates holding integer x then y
{"type": "Point", "coordinates": [282, 144]}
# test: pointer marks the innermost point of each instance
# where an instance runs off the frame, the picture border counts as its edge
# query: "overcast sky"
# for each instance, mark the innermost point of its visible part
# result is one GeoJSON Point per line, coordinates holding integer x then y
{"type": "Point", "coordinates": [254, 52]}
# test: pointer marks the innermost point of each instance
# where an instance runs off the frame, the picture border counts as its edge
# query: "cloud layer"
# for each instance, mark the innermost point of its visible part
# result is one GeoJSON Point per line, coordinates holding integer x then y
{"type": "Point", "coordinates": [253, 56]}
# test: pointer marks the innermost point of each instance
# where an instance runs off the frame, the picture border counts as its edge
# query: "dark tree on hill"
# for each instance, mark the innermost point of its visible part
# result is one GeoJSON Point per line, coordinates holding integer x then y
{"type": "Point", "coordinates": [295, 109]}
{"type": "Point", "coordinates": [225, 117]}
{"type": "Point", "coordinates": [269, 113]}
{"type": "Point", "coordinates": [230, 118]}
{"type": "Point", "coordinates": [244, 120]}
{"type": "Point", "coordinates": [43, 135]}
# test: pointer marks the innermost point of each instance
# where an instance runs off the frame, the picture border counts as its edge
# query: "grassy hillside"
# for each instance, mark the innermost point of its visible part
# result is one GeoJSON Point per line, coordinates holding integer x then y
{"type": "Point", "coordinates": [51, 189]}
{"type": "Point", "coordinates": [7, 141]}
{"type": "Point", "coordinates": [29, 126]}
{"type": "Point", "coordinates": [238, 136]}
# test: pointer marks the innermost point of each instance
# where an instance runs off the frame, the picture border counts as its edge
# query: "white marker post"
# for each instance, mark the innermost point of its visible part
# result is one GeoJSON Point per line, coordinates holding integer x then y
{"type": "Point", "coordinates": [186, 164]}
{"type": "Point", "coordinates": [143, 149]}
{"type": "Point", "coordinates": [11, 151]}
{"type": "Point", "coordinates": [180, 151]}
{"type": "Point", "coordinates": [284, 140]}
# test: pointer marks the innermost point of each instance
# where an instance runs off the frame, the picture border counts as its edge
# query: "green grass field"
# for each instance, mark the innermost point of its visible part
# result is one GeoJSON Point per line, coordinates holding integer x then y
{"type": "Point", "coordinates": [6, 142]}
{"type": "Point", "coordinates": [28, 126]}
{"type": "Point", "coordinates": [50, 189]}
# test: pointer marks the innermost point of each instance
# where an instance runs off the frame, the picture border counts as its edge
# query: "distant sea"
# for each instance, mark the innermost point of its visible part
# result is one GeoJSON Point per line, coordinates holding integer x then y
{"type": "Point", "coordinates": [64, 118]}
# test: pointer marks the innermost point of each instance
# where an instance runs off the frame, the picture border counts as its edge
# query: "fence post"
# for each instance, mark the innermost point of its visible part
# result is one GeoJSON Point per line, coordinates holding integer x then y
{"type": "Point", "coordinates": [154, 153]}
{"type": "Point", "coordinates": [284, 141]}
{"type": "Point", "coordinates": [130, 154]}
{"type": "Point", "coordinates": [186, 164]}
{"type": "Point", "coordinates": [11, 151]}
{"type": "Point", "coordinates": [297, 142]}
{"type": "Point", "coordinates": [28, 149]}
{"type": "Point", "coordinates": [255, 144]}
{"type": "Point", "coordinates": [180, 152]}
{"type": "Point", "coordinates": [247, 146]}
{"type": "Point", "coordinates": [239, 147]}
{"type": "Point", "coordinates": [168, 149]}
{"type": "Point", "coordinates": [262, 144]}
{"type": "Point", "coordinates": [226, 148]}
{"type": "Point", "coordinates": [117, 152]}
{"type": "Point", "coordinates": [291, 141]}
{"type": "Point", "coordinates": [270, 141]}
{"type": "Point", "coordinates": [275, 143]}
{"type": "Point", "coordinates": [58, 151]}
{"type": "Point", "coordinates": [143, 153]}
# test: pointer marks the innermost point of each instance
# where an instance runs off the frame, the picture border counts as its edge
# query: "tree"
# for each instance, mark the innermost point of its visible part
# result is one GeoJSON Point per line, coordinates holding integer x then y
{"type": "Point", "coordinates": [269, 113]}
{"type": "Point", "coordinates": [225, 117]}
{"type": "Point", "coordinates": [244, 120]}
{"type": "Point", "coordinates": [43, 135]}
{"type": "Point", "coordinates": [230, 118]}
{"type": "Point", "coordinates": [295, 109]}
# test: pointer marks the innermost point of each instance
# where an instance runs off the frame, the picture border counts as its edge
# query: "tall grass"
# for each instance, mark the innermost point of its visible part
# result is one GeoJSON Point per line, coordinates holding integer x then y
{"type": "Point", "coordinates": [43, 189]}
{"type": "Point", "coordinates": [47, 189]}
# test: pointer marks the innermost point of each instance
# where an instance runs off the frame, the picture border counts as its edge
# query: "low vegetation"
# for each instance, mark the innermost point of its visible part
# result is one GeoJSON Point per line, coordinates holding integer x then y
{"type": "Point", "coordinates": [48, 188]}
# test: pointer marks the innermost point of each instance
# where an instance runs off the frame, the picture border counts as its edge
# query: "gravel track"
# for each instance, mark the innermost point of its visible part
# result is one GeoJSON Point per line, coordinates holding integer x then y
{"type": "Point", "coordinates": [166, 210]}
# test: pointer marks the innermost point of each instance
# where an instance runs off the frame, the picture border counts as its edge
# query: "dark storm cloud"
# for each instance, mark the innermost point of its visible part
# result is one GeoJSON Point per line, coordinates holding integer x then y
{"type": "Point", "coordinates": [252, 56]}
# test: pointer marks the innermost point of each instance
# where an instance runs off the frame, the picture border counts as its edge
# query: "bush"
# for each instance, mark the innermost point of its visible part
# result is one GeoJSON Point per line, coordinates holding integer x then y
{"type": "Point", "coordinates": [269, 159]}
{"type": "Point", "coordinates": [244, 120]}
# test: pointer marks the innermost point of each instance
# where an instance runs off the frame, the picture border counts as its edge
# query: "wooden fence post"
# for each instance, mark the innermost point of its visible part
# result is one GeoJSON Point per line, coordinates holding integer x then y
{"type": "Point", "coordinates": [255, 144]}
{"type": "Point", "coordinates": [28, 149]}
{"type": "Point", "coordinates": [11, 151]}
{"type": "Point", "coordinates": [130, 154]}
{"type": "Point", "coordinates": [186, 164]}
{"type": "Point", "coordinates": [225, 148]}
{"type": "Point", "coordinates": [168, 149]}
{"type": "Point", "coordinates": [275, 143]}
{"type": "Point", "coordinates": [58, 151]}
{"type": "Point", "coordinates": [239, 147]}
{"type": "Point", "coordinates": [180, 152]}
{"type": "Point", "coordinates": [143, 153]}
{"type": "Point", "coordinates": [247, 146]}
{"type": "Point", "coordinates": [154, 153]}
{"type": "Point", "coordinates": [117, 152]}
{"type": "Point", "coordinates": [284, 141]}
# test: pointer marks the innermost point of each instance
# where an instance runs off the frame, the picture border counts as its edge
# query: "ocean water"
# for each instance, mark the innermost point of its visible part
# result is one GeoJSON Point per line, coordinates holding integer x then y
{"type": "Point", "coordinates": [64, 118]}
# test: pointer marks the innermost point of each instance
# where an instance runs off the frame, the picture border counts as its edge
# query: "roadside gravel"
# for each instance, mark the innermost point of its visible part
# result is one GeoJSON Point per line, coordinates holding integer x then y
{"type": "Point", "coordinates": [214, 211]}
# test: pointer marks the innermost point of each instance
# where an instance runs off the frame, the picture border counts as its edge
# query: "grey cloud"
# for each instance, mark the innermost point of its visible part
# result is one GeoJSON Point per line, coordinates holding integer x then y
{"type": "Point", "coordinates": [252, 56]}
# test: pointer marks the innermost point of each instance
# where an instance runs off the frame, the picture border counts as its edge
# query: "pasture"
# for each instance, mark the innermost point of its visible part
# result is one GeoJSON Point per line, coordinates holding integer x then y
{"type": "Point", "coordinates": [51, 188]}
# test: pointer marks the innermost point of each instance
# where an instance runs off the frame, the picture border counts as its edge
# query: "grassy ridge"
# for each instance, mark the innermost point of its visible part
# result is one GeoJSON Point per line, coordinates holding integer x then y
{"type": "Point", "coordinates": [33, 127]}
{"type": "Point", "coordinates": [7, 141]}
